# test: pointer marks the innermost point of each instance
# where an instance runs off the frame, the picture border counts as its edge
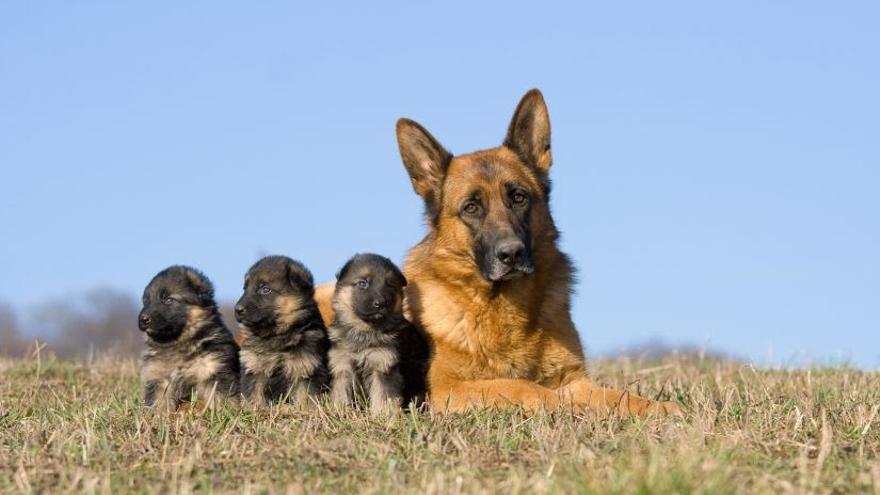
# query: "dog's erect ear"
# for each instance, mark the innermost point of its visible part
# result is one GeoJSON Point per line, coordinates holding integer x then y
{"type": "Point", "coordinates": [529, 132]}
{"type": "Point", "coordinates": [201, 285]}
{"type": "Point", "coordinates": [425, 160]}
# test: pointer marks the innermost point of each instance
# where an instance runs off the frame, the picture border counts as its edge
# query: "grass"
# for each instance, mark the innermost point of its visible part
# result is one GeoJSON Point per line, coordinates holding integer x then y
{"type": "Point", "coordinates": [80, 427]}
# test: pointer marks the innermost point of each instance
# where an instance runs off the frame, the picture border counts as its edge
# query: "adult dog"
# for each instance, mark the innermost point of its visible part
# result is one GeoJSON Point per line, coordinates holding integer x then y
{"type": "Point", "coordinates": [489, 285]}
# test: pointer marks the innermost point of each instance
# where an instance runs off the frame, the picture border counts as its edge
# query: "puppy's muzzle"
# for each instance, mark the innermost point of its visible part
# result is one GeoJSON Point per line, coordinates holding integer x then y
{"type": "Point", "coordinates": [144, 322]}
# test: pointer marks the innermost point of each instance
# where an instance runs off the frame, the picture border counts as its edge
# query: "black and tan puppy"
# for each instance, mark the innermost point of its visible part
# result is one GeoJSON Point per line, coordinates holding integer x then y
{"type": "Point", "coordinates": [284, 351]}
{"type": "Point", "coordinates": [190, 352]}
{"type": "Point", "coordinates": [374, 350]}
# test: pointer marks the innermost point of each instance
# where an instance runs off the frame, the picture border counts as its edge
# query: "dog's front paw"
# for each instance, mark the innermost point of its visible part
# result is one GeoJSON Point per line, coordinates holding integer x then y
{"type": "Point", "coordinates": [663, 409]}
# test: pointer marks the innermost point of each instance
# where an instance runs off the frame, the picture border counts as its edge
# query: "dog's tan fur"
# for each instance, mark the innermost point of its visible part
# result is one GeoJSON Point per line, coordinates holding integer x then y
{"type": "Point", "coordinates": [324, 299]}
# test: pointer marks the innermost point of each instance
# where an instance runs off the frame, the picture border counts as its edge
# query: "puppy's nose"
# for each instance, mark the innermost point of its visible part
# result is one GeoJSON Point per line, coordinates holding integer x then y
{"type": "Point", "coordinates": [510, 252]}
{"type": "Point", "coordinates": [239, 310]}
{"type": "Point", "coordinates": [145, 320]}
{"type": "Point", "coordinates": [379, 303]}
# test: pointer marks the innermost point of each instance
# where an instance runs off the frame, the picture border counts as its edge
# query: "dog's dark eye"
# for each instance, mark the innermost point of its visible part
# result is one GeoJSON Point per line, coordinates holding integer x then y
{"type": "Point", "coordinates": [519, 199]}
{"type": "Point", "coordinates": [471, 208]}
{"type": "Point", "coordinates": [168, 301]}
{"type": "Point", "coordinates": [362, 283]}
{"type": "Point", "coordinates": [264, 289]}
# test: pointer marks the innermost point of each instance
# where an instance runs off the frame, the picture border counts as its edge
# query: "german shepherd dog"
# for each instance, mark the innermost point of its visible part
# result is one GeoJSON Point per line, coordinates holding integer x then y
{"type": "Point", "coordinates": [190, 352]}
{"type": "Point", "coordinates": [489, 285]}
{"type": "Point", "coordinates": [284, 349]}
{"type": "Point", "coordinates": [375, 351]}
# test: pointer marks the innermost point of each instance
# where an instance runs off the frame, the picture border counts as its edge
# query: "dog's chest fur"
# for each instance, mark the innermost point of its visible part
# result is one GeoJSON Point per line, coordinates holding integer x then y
{"type": "Point", "coordinates": [521, 333]}
{"type": "Point", "coordinates": [172, 373]}
{"type": "Point", "coordinates": [272, 368]}
{"type": "Point", "coordinates": [166, 367]}
{"type": "Point", "coordinates": [364, 348]}
{"type": "Point", "coordinates": [497, 333]}
{"type": "Point", "coordinates": [298, 364]}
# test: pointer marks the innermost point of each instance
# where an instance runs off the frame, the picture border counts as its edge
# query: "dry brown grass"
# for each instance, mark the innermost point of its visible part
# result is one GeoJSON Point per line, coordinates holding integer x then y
{"type": "Point", "coordinates": [80, 427]}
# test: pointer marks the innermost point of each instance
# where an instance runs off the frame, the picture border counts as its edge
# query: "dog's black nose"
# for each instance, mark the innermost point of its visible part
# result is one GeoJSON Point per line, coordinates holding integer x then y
{"type": "Point", "coordinates": [379, 303]}
{"type": "Point", "coordinates": [239, 310]}
{"type": "Point", "coordinates": [510, 252]}
{"type": "Point", "coordinates": [145, 321]}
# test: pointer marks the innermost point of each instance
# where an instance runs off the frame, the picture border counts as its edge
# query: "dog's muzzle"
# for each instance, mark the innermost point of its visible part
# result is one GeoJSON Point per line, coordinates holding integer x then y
{"type": "Point", "coordinates": [512, 259]}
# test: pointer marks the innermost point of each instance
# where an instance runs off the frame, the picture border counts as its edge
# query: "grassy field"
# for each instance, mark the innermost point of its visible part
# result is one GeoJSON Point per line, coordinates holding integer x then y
{"type": "Point", "coordinates": [78, 427]}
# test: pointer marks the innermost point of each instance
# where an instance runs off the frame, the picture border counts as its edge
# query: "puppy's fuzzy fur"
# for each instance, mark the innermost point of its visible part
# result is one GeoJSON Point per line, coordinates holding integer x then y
{"type": "Point", "coordinates": [284, 346]}
{"type": "Point", "coordinates": [374, 350]}
{"type": "Point", "coordinates": [190, 352]}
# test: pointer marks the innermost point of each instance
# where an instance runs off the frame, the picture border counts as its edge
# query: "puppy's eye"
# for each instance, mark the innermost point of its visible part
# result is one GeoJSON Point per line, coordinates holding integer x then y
{"type": "Point", "coordinates": [264, 289]}
{"type": "Point", "coordinates": [362, 284]}
{"type": "Point", "coordinates": [471, 208]}
{"type": "Point", "coordinates": [519, 199]}
{"type": "Point", "coordinates": [168, 301]}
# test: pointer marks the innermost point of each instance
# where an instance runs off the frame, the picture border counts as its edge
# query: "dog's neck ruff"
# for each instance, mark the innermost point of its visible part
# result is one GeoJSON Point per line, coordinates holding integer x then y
{"type": "Point", "coordinates": [287, 338]}
{"type": "Point", "coordinates": [358, 335]}
{"type": "Point", "coordinates": [194, 334]}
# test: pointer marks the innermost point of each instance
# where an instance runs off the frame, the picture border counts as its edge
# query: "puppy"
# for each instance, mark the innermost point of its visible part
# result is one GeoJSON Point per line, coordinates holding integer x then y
{"type": "Point", "coordinates": [374, 350]}
{"type": "Point", "coordinates": [284, 346]}
{"type": "Point", "coordinates": [190, 352]}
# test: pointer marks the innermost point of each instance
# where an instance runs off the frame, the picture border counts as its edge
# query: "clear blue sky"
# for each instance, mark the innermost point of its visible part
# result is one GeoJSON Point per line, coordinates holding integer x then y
{"type": "Point", "coordinates": [716, 167]}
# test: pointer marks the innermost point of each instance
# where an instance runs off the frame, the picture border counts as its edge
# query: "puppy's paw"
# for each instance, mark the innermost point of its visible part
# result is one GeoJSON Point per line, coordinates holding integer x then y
{"type": "Point", "coordinates": [385, 408]}
{"type": "Point", "coordinates": [199, 406]}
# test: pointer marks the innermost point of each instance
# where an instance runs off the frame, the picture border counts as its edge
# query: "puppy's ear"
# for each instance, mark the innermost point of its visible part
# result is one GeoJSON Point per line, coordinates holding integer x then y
{"type": "Point", "coordinates": [401, 280]}
{"type": "Point", "coordinates": [529, 132]}
{"type": "Point", "coordinates": [300, 277]}
{"type": "Point", "coordinates": [425, 160]}
{"type": "Point", "coordinates": [342, 271]}
{"type": "Point", "coordinates": [201, 285]}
